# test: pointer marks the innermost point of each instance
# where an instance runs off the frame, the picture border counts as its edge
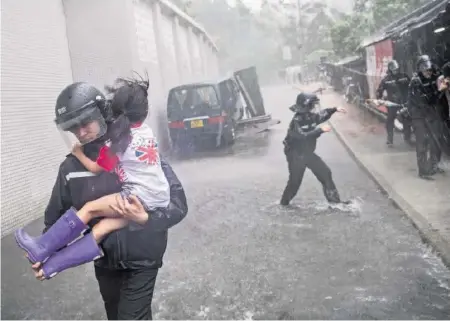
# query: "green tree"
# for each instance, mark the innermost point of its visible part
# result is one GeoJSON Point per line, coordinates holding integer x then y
{"type": "Point", "coordinates": [306, 29]}
{"type": "Point", "coordinates": [368, 16]}
{"type": "Point", "coordinates": [243, 37]}
{"type": "Point", "coordinates": [346, 34]}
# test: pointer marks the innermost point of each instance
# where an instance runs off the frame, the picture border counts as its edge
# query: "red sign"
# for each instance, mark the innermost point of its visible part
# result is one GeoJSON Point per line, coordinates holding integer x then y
{"type": "Point", "coordinates": [378, 56]}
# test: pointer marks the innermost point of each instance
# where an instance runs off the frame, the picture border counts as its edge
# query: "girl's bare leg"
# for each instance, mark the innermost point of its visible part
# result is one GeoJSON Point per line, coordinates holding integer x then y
{"type": "Point", "coordinates": [99, 208]}
{"type": "Point", "coordinates": [106, 226]}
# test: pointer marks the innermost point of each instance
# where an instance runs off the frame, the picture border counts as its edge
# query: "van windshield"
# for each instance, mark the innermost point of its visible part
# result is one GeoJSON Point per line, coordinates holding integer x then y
{"type": "Point", "coordinates": [192, 102]}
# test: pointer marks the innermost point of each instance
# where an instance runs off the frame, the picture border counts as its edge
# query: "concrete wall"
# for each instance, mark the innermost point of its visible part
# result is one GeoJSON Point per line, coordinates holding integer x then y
{"type": "Point", "coordinates": [48, 44]}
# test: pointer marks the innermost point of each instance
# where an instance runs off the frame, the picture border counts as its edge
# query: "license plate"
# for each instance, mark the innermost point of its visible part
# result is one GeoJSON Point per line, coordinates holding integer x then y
{"type": "Point", "coordinates": [196, 123]}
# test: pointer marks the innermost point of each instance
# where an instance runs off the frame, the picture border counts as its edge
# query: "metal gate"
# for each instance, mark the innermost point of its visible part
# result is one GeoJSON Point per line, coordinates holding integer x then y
{"type": "Point", "coordinates": [35, 67]}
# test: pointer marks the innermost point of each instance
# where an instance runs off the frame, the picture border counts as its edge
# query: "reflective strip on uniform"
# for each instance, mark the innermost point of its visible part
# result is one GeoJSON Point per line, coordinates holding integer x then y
{"type": "Point", "coordinates": [79, 175]}
{"type": "Point", "coordinates": [309, 126]}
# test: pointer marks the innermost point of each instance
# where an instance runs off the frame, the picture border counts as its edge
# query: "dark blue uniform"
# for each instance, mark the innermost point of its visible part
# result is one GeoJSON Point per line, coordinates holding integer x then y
{"type": "Point", "coordinates": [128, 270]}
{"type": "Point", "coordinates": [396, 87]}
{"type": "Point", "coordinates": [423, 107]}
{"type": "Point", "coordinates": [299, 148]}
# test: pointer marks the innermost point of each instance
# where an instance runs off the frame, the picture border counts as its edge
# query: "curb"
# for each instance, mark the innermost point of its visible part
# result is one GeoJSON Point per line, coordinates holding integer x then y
{"type": "Point", "coordinates": [428, 234]}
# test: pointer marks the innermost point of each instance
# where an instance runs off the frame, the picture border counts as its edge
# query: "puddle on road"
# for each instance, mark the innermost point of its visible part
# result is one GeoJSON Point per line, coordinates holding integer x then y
{"type": "Point", "coordinates": [436, 269]}
{"type": "Point", "coordinates": [293, 225]}
{"type": "Point", "coordinates": [355, 206]}
{"type": "Point", "coordinates": [316, 207]}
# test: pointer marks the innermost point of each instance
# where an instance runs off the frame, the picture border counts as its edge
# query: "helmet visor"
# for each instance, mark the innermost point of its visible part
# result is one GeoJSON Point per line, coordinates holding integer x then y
{"type": "Point", "coordinates": [87, 124]}
{"type": "Point", "coordinates": [316, 106]}
{"type": "Point", "coordinates": [312, 103]}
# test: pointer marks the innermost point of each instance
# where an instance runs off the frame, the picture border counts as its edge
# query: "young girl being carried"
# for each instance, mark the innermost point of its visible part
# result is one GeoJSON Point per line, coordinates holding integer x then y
{"type": "Point", "coordinates": [132, 152]}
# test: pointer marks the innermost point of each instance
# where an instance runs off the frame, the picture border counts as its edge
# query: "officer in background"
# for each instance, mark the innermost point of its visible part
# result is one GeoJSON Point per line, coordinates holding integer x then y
{"type": "Point", "coordinates": [395, 83]}
{"type": "Point", "coordinates": [422, 103]}
{"type": "Point", "coordinates": [444, 89]}
{"type": "Point", "coordinates": [444, 103]}
{"type": "Point", "coordinates": [300, 144]}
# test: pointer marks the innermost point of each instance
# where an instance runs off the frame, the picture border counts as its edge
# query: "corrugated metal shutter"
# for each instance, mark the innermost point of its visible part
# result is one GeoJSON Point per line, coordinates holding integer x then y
{"type": "Point", "coordinates": [35, 68]}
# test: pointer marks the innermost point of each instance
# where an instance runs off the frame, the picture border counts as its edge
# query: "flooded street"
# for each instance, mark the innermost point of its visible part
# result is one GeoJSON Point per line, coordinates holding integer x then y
{"type": "Point", "coordinates": [239, 255]}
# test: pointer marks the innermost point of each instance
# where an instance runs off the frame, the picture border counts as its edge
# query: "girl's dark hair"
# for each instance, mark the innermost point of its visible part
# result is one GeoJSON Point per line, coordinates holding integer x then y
{"type": "Point", "coordinates": [128, 102]}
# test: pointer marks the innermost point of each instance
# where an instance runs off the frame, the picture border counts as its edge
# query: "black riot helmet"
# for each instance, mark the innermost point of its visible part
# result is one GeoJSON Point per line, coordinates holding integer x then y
{"type": "Point", "coordinates": [82, 109]}
{"type": "Point", "coordinates": [424, 64]}
{"type": "Point", "coordinates": [446, 70]}
{"type": "Point", "coordinates": [393, 67]}
{"type": "Point", "coordinates": [305, 102]}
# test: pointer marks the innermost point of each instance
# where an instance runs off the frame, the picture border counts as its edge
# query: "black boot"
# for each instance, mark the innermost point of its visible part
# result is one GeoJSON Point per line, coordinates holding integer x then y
{"type": "Point", "coordinates": [439, 170]}
{"type": "Point", "coordinates": [426, 176]}
{"type": "Point", "coordinates": [332, 196]}
{"type": "Point", "coordinates": [436, 170]}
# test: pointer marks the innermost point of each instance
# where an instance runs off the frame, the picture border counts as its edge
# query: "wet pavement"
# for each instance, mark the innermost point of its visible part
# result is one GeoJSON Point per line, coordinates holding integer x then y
{"type": "Point", "coordinates": [239, 255]}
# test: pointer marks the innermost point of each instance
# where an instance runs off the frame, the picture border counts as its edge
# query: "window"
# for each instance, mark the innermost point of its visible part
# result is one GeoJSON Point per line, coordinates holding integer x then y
{"type": "Point", "coordinates": [208, 95]}
{"type": "Point", "coordinates": [178, 97]}
{"type": "Point", "coordinates": [185, 98]}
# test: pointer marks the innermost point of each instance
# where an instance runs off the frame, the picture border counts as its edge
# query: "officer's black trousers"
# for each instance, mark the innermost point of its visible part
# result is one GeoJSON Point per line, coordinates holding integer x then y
{"type": "Point", "coordinates": [127, 294]}
{"type": "Point", "coordinates": [297, 164]}
{"type": "Point", "coordinates": [392, 114]}
{"type": "Point", "coordinates": [427, 146]}
{"type": "Point", "coordinates": [436, 128]}
{"type": "Point", "coordinates": [407, 128]}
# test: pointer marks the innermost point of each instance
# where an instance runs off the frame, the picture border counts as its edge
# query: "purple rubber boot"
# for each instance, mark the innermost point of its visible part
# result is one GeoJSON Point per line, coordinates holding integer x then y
{"type": "Point", "coordinates": [67, 229]}
{"type": "Point", "coordinates": [80, 252]}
